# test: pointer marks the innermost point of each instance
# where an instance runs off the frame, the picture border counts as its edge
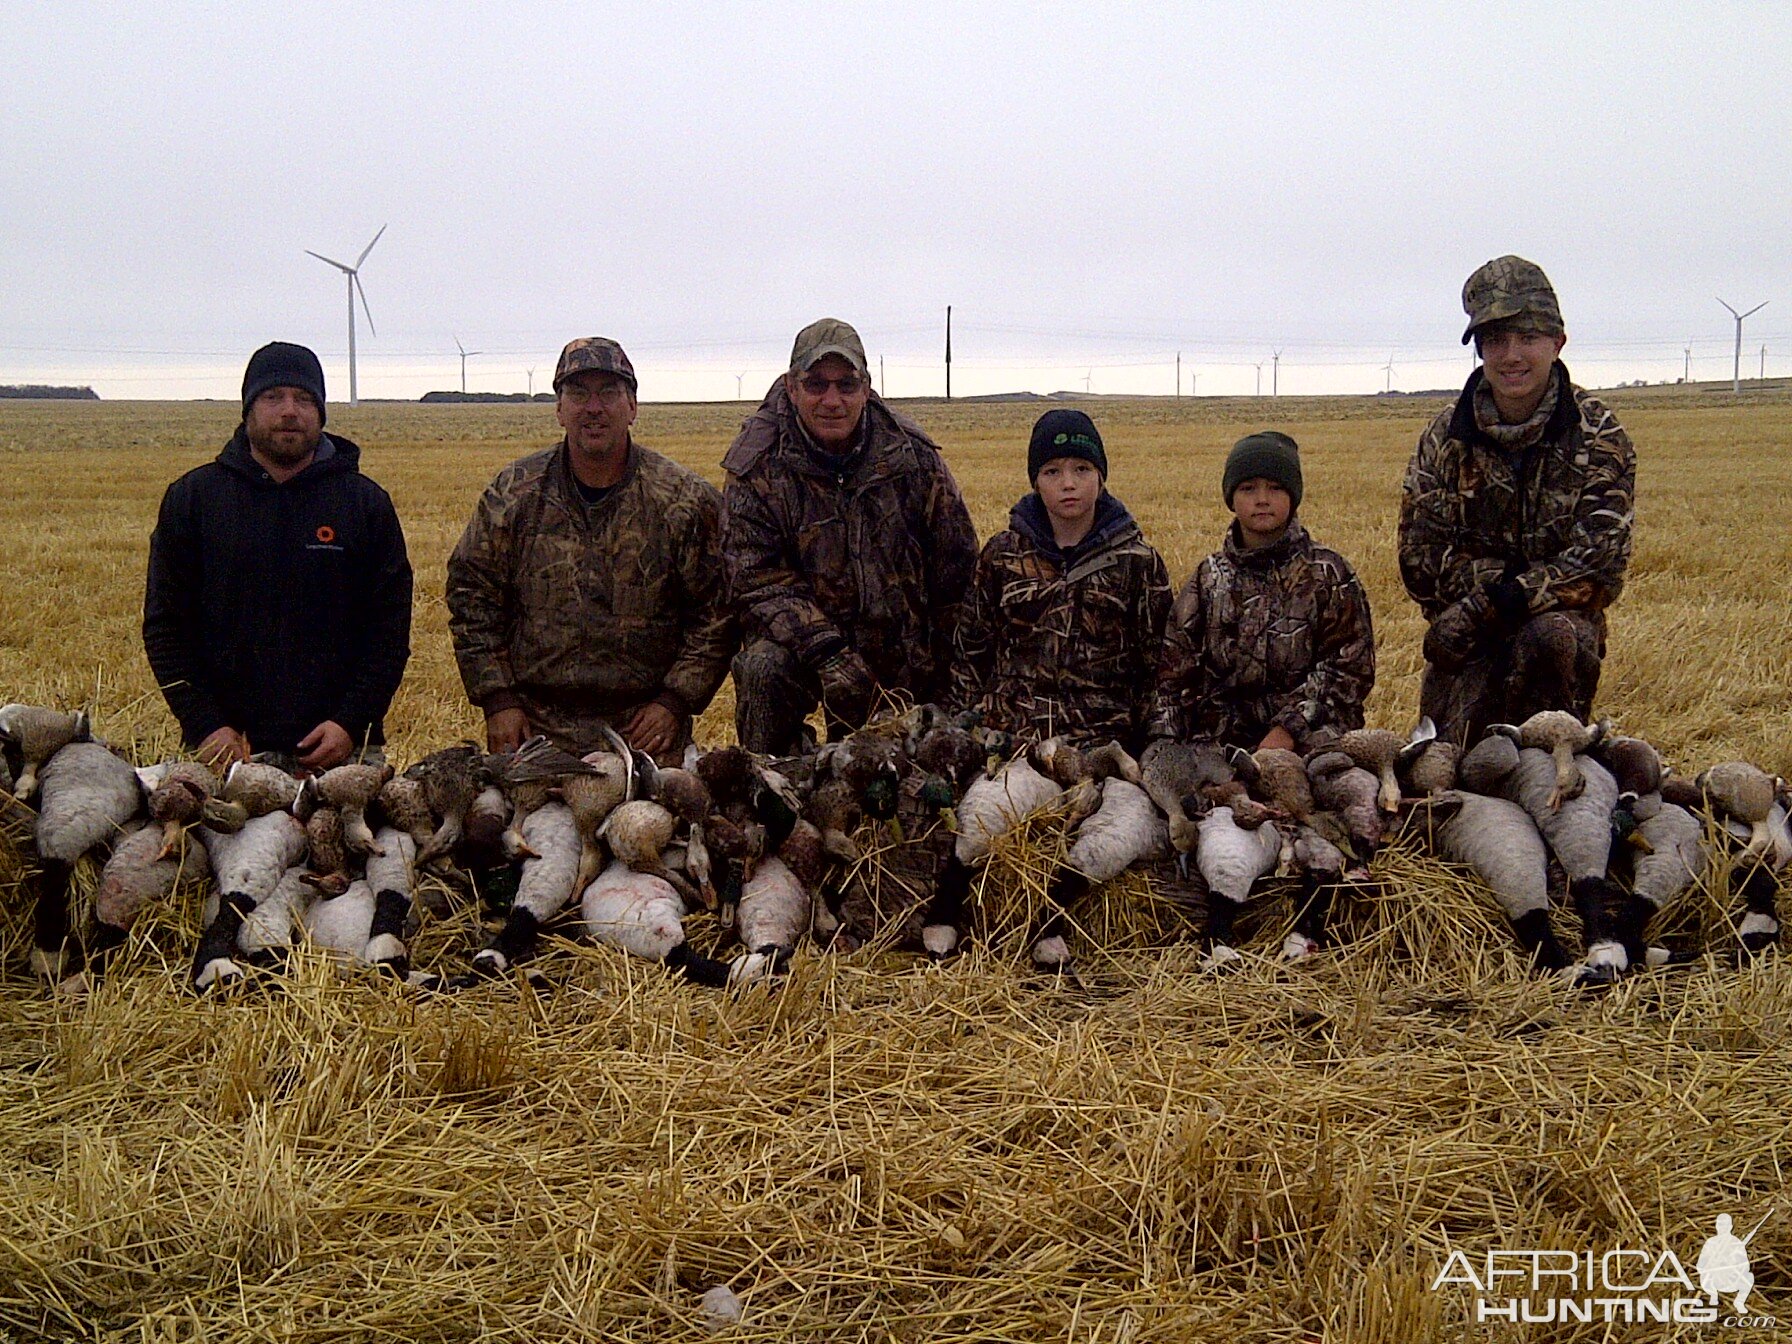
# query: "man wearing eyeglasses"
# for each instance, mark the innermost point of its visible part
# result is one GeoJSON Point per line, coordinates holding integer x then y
{"type": "Point", "coordinates": [848, 546]}
{"type": "Point", "coordinates": [587, 588]}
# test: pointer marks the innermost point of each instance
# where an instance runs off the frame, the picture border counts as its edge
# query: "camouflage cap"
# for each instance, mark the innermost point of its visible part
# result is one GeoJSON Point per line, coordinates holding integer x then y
{"type": "Point", "coordinates": [829, 336]}
{"type": "Point", "coordinates": [1509, 287]}
{"type": "Point", "coordinates": [593, 354]}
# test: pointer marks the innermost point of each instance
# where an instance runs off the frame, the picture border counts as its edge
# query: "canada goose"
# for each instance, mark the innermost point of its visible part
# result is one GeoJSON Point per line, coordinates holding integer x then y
{"type": "Point", "coordinates": [546, 885]}
{"type": "Point", "coordinates": [642, 914]}
{"type": "Point", "coordinates": [35, 735]}
{"type": "Point", "coordinates": [1320, 866]}
{"type": "Point", "coordinates": [87, 794]}
{"type": "Point", "coordinates": [365, 924]}
{"type": "Point", "coordinates": [247, 866]}
{"type": "Point", "coordinates": [1577, 825]}
{"type": "Point", "coordinates": [1564, 737]}
{"type": "Point", "coordinates": [1231, 858]}
{"type": "Point", "coordinates": [1498, 841]}
{"type": "Point", "coordinates": [1121, 829]}
{"type": "Point", "coordinates": [775, 909]}
{"type": "Point", "coordinates": [993, 806]}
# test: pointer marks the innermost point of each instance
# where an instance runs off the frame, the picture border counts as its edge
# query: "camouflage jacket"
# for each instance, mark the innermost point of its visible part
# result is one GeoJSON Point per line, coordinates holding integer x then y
{"type": "Point", "coordinates": [1277, 637]}
{"type": "Point", "coordinates": [871, 550]}
{"type": "Point", "coordinates": [1558, 515]}
{"type": "Point", "coordinates": [575, 612]}
{"type": "Point", "coordinates": [1054, 641]}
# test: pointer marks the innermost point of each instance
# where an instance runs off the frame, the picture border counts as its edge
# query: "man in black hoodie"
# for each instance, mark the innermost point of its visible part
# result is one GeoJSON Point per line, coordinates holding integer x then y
{"type": "Point", "coordinates": [277, 616]}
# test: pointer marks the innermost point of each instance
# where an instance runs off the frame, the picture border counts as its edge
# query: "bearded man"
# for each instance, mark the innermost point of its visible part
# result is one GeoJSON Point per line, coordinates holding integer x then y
{"type": "Point", "coordinates": [277, 616]}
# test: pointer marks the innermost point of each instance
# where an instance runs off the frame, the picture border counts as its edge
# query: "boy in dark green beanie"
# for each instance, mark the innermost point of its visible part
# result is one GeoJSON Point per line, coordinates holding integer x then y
{"type": "Point", "coordinates": [1269, 646]}
{"type": "Point", "coordinates": [1269, 643]}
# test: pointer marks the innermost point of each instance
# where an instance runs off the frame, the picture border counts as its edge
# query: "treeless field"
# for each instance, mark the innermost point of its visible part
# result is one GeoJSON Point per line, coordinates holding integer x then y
{"type": "Point", "coordinates": [880, 1150]}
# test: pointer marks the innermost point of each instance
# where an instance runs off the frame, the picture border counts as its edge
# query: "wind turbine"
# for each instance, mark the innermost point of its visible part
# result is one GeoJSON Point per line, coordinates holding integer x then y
{"type": "Point", "coordinates": [1736, 373]}
{"type": "Point", "coordinates": [1388, 369]}
{"type": "Point", "coordinates": [354, 283]}
{"type": "Point", "coordinates": [464, 352]}
{"type": "Point", "coordinates": [531, 384]}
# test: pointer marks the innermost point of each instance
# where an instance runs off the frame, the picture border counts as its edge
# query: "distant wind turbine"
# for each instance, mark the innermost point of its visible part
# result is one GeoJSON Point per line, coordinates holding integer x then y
{"type": "Point", "coordinates": [531, 384]}
{"type": "Point", "coordinates": [1088, 382]}
{"type": "Point", "coordinates": [354, 283]}
{"type": "Point", "coordinates": [1388, 368]}
{"type": "Point", "coordinates": [464, 353]}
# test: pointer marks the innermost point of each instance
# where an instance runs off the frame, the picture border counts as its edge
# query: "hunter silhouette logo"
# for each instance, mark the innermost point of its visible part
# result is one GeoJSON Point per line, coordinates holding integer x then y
{"type": "Point", "coordinates": [1627, 1285]}
{"type": "Point", "coordinates": [1723, 1263]}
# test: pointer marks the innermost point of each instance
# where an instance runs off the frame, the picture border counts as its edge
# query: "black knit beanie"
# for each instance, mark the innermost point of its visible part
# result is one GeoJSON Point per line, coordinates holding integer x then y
{"type": "Point", "coordinates": [1065, 433]}
{"type": "Point", "coordinates": [1269, 454]}
{"type": "Point", "coordinates": [282, 364]}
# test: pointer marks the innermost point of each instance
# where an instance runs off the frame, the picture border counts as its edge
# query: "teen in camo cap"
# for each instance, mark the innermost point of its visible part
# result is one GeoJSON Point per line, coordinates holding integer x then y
{"type": "Point", "coordinates": [1515, 534]}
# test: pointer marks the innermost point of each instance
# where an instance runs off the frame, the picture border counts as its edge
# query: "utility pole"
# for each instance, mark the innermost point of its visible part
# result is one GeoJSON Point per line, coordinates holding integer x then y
{"type": "Point", "coordinates": [1763, 363]}
{"type": "Point", "coordinates": [1686, 375]}
{"type": "Point", "coordinates": [948, 352]}
{"type": "Point", "coordinates": [1275, 375]}
{"type": "Point", "coordinates": [1736, 373]}
{"type": "Point", "coordinates": [1194, 384]}
{"type": "Point", "coordinates": [1179, 375]}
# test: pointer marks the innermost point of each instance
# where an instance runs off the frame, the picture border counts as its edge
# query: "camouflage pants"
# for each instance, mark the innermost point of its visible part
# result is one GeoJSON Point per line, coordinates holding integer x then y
{"type": "Point", "coordinates": [1552, 662]}
{"type": "Point", "coordinates": [774, 695]}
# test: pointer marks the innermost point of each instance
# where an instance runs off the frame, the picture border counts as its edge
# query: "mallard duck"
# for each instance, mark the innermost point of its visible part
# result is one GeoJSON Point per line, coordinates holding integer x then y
{"type": "Point", "coordinates": [1564, 737]}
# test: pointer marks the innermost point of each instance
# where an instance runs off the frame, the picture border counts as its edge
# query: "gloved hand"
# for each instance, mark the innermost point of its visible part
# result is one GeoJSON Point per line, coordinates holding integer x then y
{"type": "Point", "coordinates": [1509, 603]}
{"type": "Point", "coordinates": [1455, 636]}
{"type": "Point", "coordinates": [848, 687]}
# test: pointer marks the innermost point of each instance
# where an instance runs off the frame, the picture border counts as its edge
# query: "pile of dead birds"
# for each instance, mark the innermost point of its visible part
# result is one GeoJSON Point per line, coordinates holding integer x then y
{"type": "Point", "coordinates": [912, 834]}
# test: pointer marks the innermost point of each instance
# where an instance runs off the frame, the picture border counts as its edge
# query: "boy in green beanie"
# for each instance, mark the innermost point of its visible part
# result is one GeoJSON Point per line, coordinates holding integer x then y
{"type": "Point", "coordinates": [1270, 642]}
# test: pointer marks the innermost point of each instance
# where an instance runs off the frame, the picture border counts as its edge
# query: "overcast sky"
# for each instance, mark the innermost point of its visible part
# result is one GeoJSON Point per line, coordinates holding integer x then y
{"type": "Point", "coordinates": [1092, 187]}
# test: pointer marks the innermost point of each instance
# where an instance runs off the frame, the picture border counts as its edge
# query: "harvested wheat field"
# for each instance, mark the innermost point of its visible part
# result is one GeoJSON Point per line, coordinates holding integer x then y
{"type": "Point", "coordinates": [880, 1149]}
